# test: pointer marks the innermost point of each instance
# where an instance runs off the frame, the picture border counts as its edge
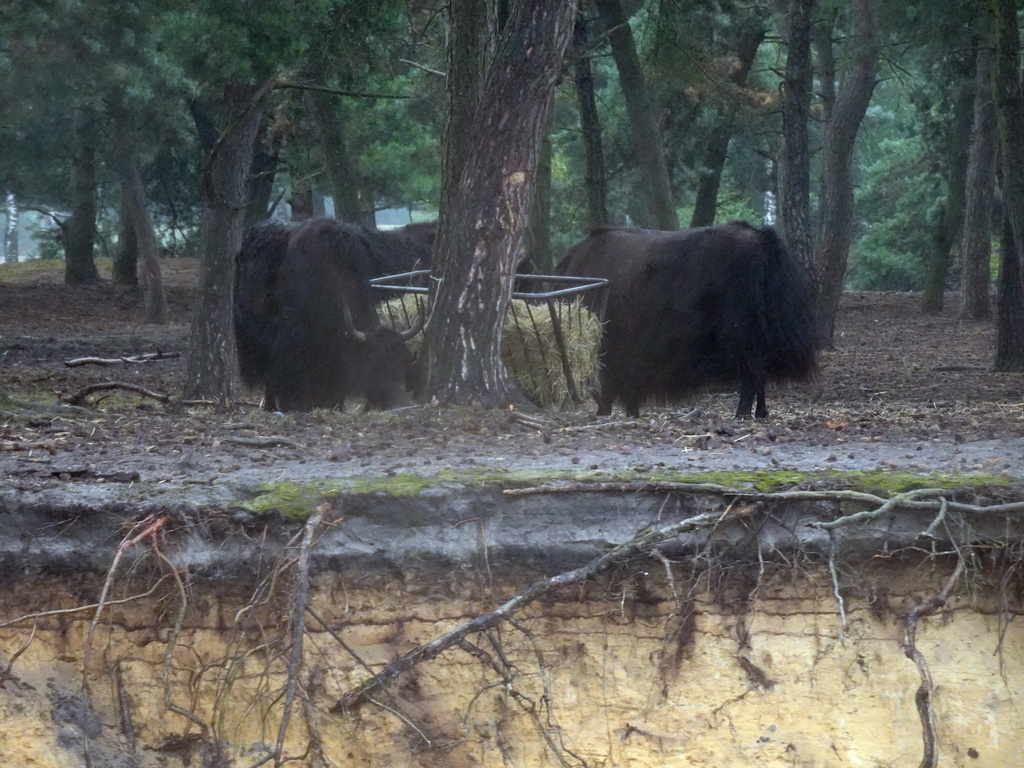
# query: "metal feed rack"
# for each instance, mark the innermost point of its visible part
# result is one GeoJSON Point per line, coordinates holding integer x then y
{"type": "Point", "coordinates": [554, 291]}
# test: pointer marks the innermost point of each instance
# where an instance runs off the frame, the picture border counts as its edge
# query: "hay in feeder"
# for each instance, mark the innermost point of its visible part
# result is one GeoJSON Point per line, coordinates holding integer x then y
{"type": "Point", "coordinates": [529, 347]}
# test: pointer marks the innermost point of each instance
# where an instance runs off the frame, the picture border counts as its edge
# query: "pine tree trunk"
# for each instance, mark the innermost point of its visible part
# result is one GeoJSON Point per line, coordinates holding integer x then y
{"type": "Point", "coordinates": [1009, 97]}
{"type": "Point", "coordinates": [344, 179]}
{"type": "Point", "coordinates": [126, 256]}
{"type": "Point", "coordinates": [11, 229]}
{"type": "Point", "coordinates": [649, 153]}
{"type": "Point", "coordinates": [1010, 319]}
{"type": "Point", "coordinates": [716, 150]}
{"type": "Point", "coordinates": [833, 246]}
{"type": "Point", "coordinates": [950, 225]}
{"type": "Point", "coordinates": [794, 160]}
{"type": "Point", "coordinates": [266, 158]}
{"type": "Point", "coordinates": [976, 247]}
{"type": "Point", "coordinates": [483, 228]}
{"type": "Point", "coordinates": [211, 368]}
{"type": "Point", "coordinates": [540, 258]}
{"type": "Point", "coordinates": [154, 300]}
{"type": "Point", "coordinates": [595, 179]}
{"type": "Point", "coordinates": [79, 231]}
{"type": "Point", "coordinates": [468, 51]}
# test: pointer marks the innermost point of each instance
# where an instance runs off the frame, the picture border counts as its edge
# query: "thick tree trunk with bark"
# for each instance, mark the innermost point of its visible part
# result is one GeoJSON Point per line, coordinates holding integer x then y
{"type": "Point", "coordinates": [716, 151]}
{"type": "Point", "coordinates": [211, 368]}
{"type": "Point", "coordinates": [79, 231]}
{"type": "Point", "coordinates": [976, 247]}
{"type": "Point", "coordinates": [595, 179]}
{"type": "Point", "coordinates": [483, 228]}
{"type": "Point", "coordinates": [468, 54]}
{"type": "Point", "coordinates": [1009, 97]}
{"type": "Point", "coordinates": [154, 300]}
{"type": "Point", "coordinates": [794, 159]}
{"type": "Point", "coordinates": [1010, 318]}
{"type": "Point", "coordinates": [647, 146]}
{"type": "Point", "coordinates": [950, 224]}
{"type": "Point", "coordinates": [833, 246]}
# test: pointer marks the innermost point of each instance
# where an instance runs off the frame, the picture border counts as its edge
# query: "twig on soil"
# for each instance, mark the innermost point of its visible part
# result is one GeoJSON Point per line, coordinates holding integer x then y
{"type": "Point", "coordinates": [270, 441]}
{"type": "Point", "coordinates": [923, 696]}
{"type": "Point", "coordinates": [148, 357]}
{"type": "Point", "coordinates": [638, 545]}
{"type": "Point", "coordinates": [25, 445]}
{"type": "Point", "coordinates": [81, 396]}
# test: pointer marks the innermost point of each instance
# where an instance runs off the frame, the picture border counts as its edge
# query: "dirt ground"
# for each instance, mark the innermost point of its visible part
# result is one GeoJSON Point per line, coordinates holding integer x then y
{"type": "Point", "coordinates": [901, 390]}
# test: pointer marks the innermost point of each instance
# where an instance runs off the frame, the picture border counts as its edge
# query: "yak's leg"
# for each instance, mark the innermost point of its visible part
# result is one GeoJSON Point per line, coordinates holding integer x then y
{"type": "Point", "coordinates": [750, 389]}
{"type": "Point", "coordinates": [606, 391]}
{"type": "Point", "coordinates": [761, 412]}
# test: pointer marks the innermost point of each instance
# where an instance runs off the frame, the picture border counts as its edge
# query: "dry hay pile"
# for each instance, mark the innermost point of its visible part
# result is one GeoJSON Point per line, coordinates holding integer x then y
{"type": "Point", "coordinates": [529, 346]}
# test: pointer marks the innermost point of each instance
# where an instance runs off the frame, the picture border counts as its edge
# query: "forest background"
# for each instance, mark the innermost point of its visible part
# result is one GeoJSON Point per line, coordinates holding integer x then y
{"type": "Point", "coordinates": [870, 133]}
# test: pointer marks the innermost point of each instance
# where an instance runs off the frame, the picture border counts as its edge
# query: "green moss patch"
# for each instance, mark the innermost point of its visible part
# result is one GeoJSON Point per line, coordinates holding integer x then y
{"type": "Point", "coordinates": [297, 500]}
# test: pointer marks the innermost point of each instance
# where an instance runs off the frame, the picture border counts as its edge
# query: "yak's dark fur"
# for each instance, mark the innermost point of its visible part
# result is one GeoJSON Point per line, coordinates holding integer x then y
{"type": "Point", "coordinates": [708, 306]}
{"type": "Point", "coordinates": [293, 286]}
{"type": "Point", "coordinates": [255, 312]}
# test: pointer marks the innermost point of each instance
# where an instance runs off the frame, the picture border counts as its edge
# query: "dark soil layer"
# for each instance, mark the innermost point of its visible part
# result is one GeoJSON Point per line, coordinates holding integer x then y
{"type": "Point", "coordinates": [901, 390]}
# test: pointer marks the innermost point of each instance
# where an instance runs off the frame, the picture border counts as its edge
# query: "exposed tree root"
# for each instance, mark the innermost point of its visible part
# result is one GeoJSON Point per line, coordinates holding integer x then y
{"type": "Point", "coordinates": [641, 544]}
{"type": "Point", "coordinates": [923, 697]}
{"type": "Point", "coordinates": [299, 602]}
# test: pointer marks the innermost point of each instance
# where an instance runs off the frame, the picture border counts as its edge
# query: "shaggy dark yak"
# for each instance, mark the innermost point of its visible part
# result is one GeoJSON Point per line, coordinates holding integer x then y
{"type": "Point", "coordinates": [304, 315]}
{"type": "Point", "coordinates": [689, 309]}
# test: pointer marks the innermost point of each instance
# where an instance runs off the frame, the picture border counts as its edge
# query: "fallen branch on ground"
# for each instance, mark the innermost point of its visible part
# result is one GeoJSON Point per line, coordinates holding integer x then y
{"type": "Point", "coordinates": [148, 357]}
{"type": "Point", "coordinates": [26, 445]}
{"type": "Point", "coordinates": [81, 396]}
{"type": "Point", "coordinates": [269, 441]}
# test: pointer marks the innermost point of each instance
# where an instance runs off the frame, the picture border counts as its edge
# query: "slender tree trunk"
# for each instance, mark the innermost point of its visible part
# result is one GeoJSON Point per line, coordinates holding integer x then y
{"type": "Point", "coordinates": [126, 256]}
{"type": "Point", "coordinates": [266, 158]}
{"type": "Point", "coordinates": [1009, 96]}
{"type": "Point", "coordinates": [833, 247]}
{"type": "Point", "coordinates": [951, 218]}
{"type": "Point", "coordinates": [154, 301]}
{"type": "Point", "coordinates": [647, 146]}
{"type": "Point", "coordinates": [595, 178]}
{"type": "Point", "coordinates": [540, 258]}
{"type": "Point", "coordinates": [794, 159]}
{"type": "Point", "coordinates": [11, 229]}
{"type": "Point", "coordinates": [211, 368]}
{"type": "Point", "coordinates": [342, 175]}
{"type": "Point", "coordinates": [483, 228]}
{"type": "Point", "coordinates": [79, 231]}
{"type": "Point", "coordinates": [1010, 318]}
{"type": "Point", "coordinates": [976, 247]}
{"type": "Point", "coordinates": [716, 151]}
{"type": "Point", "coordinates": [822, 31]}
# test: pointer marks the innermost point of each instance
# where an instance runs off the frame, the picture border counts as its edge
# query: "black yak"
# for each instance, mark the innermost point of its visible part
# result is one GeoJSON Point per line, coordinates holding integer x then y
{"type": "Point", "coordinates": [255, 313]}
{"type": "Point", "coordinates": [305, 319]}
{"type": "Point", "coordinates": [716, 305]}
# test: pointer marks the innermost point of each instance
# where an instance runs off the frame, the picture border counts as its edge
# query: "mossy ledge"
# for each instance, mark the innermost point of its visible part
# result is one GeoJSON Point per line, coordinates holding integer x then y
{"type": "Point", "coordinates": [296, 500]}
